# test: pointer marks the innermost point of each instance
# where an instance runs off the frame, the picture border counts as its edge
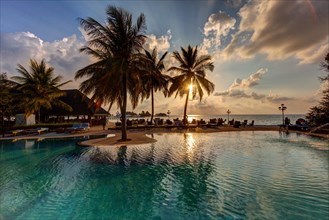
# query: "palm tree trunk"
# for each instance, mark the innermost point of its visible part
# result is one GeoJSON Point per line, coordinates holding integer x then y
{"type": "Point", "coordinates": [39, 116]}
{"type": "Point", "coordinates": [152, 96]}
{"type": "Point", "coordinates": [124, 109]}
{"type": "Point", "coordinates": [185, 108]}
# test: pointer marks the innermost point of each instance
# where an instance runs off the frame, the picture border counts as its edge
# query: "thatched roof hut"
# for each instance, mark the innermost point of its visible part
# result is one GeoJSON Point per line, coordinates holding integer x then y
{"type": "Point", "coordinates": [82, 107]}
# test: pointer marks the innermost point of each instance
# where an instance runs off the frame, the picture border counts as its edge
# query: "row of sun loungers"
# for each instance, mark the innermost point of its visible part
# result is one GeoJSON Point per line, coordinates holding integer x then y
{"type": "Point", "coordinates": [30, 131]}
{"type": "Point", "coordinates": [78, 128]}
{"type": "Point", "coordinates": [37, 131]}
{"type": "Point", "coordinates": [176, 123]}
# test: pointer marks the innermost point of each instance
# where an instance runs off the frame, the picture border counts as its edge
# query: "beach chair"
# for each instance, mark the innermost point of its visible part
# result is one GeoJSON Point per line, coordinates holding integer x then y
{"type": "Point", "coordinates": [193, 124]}
{"type": "Point", "coordinates": [35, 131]}
{"type": "Point", "coordinates": [220, 122]}
{"type": "Point", "coordinates": [237, 124]}
{"type": "Point", "coordinates": [300, 125]}
{"type": "Point", "coordinates": [42, 130]}
{"type": "Point", "coordinates": [141, 122]}
{"type": "Point", "coordinates": [84, 127]}
{"type": "Point", "coordinates": [129, 123]}
{"type": "Point", "coordinates": [74, 128]}
{"type": "Point", "coordinates": [17, 132]}
{"type": "Point", "coordinates": [251, 123]}
{"type": "Point", "coordinates": [212, 123]}
{"type": "Point", "coordinates": [78, 128]}
{"type": "Point", "coordinates": [158, 121]}
{"type": "Point", "coordinates": [202, 123]}
{"type": "Point", "coordinates": [168, 122]}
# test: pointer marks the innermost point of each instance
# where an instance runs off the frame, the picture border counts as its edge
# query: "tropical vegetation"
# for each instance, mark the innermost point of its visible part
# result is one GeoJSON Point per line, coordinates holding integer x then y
{"type": "Point", "coordinates": [7, 101]}
{"type": "Point", "coordinates": [145, 114]}
{"type": "Point", "coordinates": [41, 88]}
{"type": "Point", "coordinates": [115, 46]}
{"type": "Point", "coordinates": [191, 79]}
{"type": "Point", "coordinates": [319, 114]}
{"type": "Point", "coordinates": [153, 79]}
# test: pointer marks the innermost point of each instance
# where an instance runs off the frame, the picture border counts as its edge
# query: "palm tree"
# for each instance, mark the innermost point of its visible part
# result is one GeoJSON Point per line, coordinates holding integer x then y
{"type": "Point", "coordinates": [40, 88]}
{"type": "Point", "coordinates": [115, 46]}
{"type": "Point", "coordinates": [192, 75]}
{"type": "Point", "coordinates": [153, 80]}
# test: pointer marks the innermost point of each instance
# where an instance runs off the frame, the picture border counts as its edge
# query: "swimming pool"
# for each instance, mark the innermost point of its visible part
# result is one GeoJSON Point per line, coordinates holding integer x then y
{"type": "Point", "coordinates": [228, 175]}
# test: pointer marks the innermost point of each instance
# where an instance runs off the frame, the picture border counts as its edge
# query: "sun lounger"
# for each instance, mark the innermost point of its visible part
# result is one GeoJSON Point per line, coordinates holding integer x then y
{"type": "Point", "coordinates": [16, 132]}
{"type": "Point", "coordinates": [42, 130]}
{"type": "Point", "coordinates": [202, 123]}
{"type": "Point", "coordinates": [35, 131]}
{"type": "Point", "coordinates": [251, 123]}
{"type": "Point", "coordinates": [192, 125]}
{"type": "Point", "coordinates": [73, 128]}
{"type": "Point", "coordinates": [220, 122]}
{"type": "Point", "coordinates": [212, 123]}
{"type": "Point", "coordinates": [237, 124]}
{"type": "Point", "coordinates": [78, 128]}
{"type": "Point", "coordinates": [84, 127]}
{"type": "Point", "coordinates": [141, 122]}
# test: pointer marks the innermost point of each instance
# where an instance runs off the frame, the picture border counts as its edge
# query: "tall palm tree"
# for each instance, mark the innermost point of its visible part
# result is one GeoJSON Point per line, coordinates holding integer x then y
{"type": "Point", "coordinates": [192, 75]}
{"type": "Point", "coordinates": [115, 46]}
{"type": "Point", "coordinates": [153, 80]}
{"type": "Point", "coordinates": [40, 88]}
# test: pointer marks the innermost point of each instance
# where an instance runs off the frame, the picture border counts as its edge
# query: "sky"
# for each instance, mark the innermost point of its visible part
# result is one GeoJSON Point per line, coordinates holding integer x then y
{"type": "Point", "coordinates": [265, 52]}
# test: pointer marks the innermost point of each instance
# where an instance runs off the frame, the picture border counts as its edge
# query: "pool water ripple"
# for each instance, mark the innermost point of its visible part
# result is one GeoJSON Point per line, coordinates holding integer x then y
{"type": "Point", "coordinates": [243, 175]}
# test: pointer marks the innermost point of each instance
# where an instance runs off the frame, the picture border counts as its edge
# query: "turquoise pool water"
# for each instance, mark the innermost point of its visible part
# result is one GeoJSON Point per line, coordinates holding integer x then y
{"type": "Point", "coordinates": [236, 175]}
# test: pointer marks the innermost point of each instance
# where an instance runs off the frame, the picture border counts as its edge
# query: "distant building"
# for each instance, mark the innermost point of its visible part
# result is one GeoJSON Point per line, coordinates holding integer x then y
{"type": "Point", "coordinates": [83, 109]}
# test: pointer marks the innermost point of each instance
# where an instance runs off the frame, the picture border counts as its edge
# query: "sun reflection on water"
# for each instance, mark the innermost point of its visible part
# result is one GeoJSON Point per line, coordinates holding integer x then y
{"type": "Point", "coordinates": [191, 145]}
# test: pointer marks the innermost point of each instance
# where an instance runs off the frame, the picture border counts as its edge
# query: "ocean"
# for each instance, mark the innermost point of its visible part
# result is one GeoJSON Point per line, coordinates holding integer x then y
{"type": "Point", "coordinates": [263, 119]}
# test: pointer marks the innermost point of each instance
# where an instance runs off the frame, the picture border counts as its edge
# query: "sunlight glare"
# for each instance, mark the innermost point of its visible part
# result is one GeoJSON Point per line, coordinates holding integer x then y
{"type": "Point", "coordinates": [190, 87]}
{"type": "Point", "coordinates": [190, 91]}
{"type": "Point", "coordinates": [190, 142]}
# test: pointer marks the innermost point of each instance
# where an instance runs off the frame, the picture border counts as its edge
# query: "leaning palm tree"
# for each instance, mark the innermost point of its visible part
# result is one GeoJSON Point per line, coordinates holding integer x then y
{"type": "Point", "coordinates": [153, 79]}
{"type": "Point", "coordinates": [192, 75]}
{"type": "Point", "coordinates": [40, 88]}
{"type": "Point", "coordinates": [114, 47]}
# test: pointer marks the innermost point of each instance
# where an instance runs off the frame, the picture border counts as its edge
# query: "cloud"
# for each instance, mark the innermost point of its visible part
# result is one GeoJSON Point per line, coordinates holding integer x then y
{"type": "Point", "coordinates": [280, 30]}
{"type": "Point", "coordinates": [240, 89]}
{"type": "Point", "coordinates": [162, 43]}
{"type": "Point", "coordinates": [313, 55]}
{"type": "Point", "coordinates": [278, 99]}
{"type": "Point", "coordinates": [251, 81]}
{"type": "Point", "coordinates": [236, 93]}
{"type": "Point", "coordinates": [62, 54]}
{"type": "Point", "coordinates": [218, 26]}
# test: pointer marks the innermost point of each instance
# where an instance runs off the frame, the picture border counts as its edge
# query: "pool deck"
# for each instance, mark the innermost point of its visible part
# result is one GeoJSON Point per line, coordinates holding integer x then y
{"type": "Point", "coordinates": [138, 136]}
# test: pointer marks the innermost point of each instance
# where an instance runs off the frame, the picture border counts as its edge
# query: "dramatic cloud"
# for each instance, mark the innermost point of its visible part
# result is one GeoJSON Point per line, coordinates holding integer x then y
{"type": "Point", "coordinates": [162, 43]}
{"type": "Point", "coordinates": [281, 30]}
{"type": "Point", "coordinates": [63, 55]}
{"type": "Point", "coordinates": [217, 27]}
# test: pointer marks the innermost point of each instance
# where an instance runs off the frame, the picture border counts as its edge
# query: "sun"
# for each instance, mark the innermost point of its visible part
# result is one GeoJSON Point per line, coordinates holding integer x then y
{"type": "Point", "coordinates": [190, 87]}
